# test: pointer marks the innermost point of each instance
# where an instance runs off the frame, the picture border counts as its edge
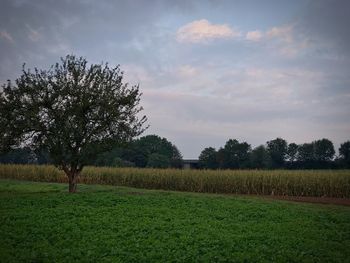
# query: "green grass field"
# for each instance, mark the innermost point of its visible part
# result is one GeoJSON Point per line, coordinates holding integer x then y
{"type": "Point", "coordinates": [41, 222]}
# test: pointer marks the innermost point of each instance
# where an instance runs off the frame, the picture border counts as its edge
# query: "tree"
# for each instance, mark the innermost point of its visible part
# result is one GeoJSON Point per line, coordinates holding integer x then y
{"type": "Point", "coordinates": [323, 150]}
{"type": "Point", "coordinates": [344, 153]}
{"type": "Point", "coordinates": [19, 156]}
{"type": "Point", "coordinates": [259, 157]}
{"type": "Point", "coordinates": [235, 154]}
{"type": "Point", "coordinates": [156, 160]}
{"type": "Point", "coordinates": [142, 148]}
{"type": "Point", "coordinates": [73, 111]}
{"type": "Point", "coordinates": [292, 152]}
{"type": "Point", "coordinates": [306, 155]}
{"type": "Point", "coordinates": [221, 158]}
{"type": "Point", "coordinates": [277, 149]}
{"type": "Point", "coordinates": [208, 158]}
{"type": "Point", "coordinates": [110, 158]}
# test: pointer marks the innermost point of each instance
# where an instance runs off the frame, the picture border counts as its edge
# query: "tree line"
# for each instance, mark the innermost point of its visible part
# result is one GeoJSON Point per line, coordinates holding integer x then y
{"type": "Point", "coordinates": [148, 151]}
{"type": "Point", "coordinates": [154, 151]}
{"type": "Point", "coordinates": [276, 154]}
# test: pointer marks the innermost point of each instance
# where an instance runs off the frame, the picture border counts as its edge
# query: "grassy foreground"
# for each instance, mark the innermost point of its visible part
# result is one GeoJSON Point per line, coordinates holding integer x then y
{"type": "Point", "coordinates": [41, 222]}
{"type": "Point", "coordinates": [328, 183]}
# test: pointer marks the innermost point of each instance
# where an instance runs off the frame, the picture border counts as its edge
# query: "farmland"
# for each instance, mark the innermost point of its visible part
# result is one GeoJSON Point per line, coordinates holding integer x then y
{"type": "Point", "coordinates": [41, 222]}
{"type": "Point", "coordinates": [317, 183]}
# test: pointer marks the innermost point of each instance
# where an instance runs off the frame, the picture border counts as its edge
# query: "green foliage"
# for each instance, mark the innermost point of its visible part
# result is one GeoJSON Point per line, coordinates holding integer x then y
{"type": "Point", "coordinates": [305, 152]}
{"type": "Point", "coordinates": [277, 149]}
{"type": "Point", "coordinates": [208, 158]}
{"type": "Point", "coordinates": [259, 157]}
{"type": "Point", "coordinates": [118, 162]}
{"type": "Point", "coordinates": [344, 152]}
{"type": "Point", "coordinates": [234, 155]}
{"type": "Point", "coordinates": [156, 160]}
{"type": "Point", "coordinates": [72, 110]}
{"type": "Point", "coordinates": [18, 156]}
{"type": "Point", "coordinates": [277, 154]}
{"type": "Point", "coordinates": [138, 152]}
{"type": "Point", "coordinates": [319, 153]}
{"type": "Point", "coordinates": [323, 150]}
{"type": "Point", "coordinates": [331, 183]}
{"type": "Point", "coordinates": [41, 223]}
{"type": "Point", "coordinates": [292, 152]}
{"type": "Point", "coordinates": [142, 148]}
{"type": "Point", "coordinates": [110, 158]}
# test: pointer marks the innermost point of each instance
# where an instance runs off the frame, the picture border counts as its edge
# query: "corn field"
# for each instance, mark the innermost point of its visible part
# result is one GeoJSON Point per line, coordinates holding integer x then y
{"type": "Point", "coordinates": [320, 183]}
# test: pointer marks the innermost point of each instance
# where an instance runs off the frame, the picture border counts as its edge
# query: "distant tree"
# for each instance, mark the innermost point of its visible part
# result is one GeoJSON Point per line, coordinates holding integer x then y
{"type": "Point", "coordinates": [235, 154]}
{"type": "Point", "coordinates": [344, 154]}
{"type": "Point", "coordinates": [208, 158]}
{"type": "Point", "coordinates": [323, 150]}
{"type": "Point", "coordinates": [305, 155]}
{"type": "Point", "coordinates": [259, 157]}
{"type": "Point", "coordinates": [119, 162]}
{"type": "Point", "coordinates": [318, 154]}
{"type": "Point", "coordinates": [108, 158]}
{"type": "Point", "coordinates": [292, 152]}
{"type": "Point", "coordinates": [73, 111]}
{"type": "Point", "coordinates": [156, 160]}
{"type": "Point", "coordinates": [19, 156]}
{"type": "Point", "coordinates": [277, 149]}
{"type": "Point", "coordinates": [221, 157]}
{"type": "Point", "coordinates": [42, 157]}
{"type": "Point", "coordinates": [143, 147]}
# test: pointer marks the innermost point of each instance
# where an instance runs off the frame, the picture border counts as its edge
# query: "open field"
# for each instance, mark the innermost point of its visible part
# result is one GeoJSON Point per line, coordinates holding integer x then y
{"type": "Point", "coordinates": [316, 183]}
{"type": "Point", "coordinates": [41, 222]}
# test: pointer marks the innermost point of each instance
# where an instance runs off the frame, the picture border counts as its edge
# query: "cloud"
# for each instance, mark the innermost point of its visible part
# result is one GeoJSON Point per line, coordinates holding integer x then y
{"type": "Point", "coordinates": [283, 38]}
{"type": "Point", "coordinates": [200, 31]}
{"type": "Point", "coordinates": [187, 71]}
{"type": "Point", "coordinates": [327, 22]}
{"type": "Point", "coordinates": [5, 35]}
{"type": "Point", "coordinates": [33, 35]}
{"type": "Point", "coordinates": [254, 35]}
{"type": "Point", "coordinates": [283, 33]}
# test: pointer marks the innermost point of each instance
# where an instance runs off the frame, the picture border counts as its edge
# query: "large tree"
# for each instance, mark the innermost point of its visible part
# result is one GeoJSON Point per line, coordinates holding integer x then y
{"type": "Point", "coordinates": [344, 153]}
{"type": "Point", "coordinates": [323, 150]}
{"type": "Point", "coordinates": [259, 157]}
{"type": "Point", "coordinates": [72, 110]}
{"type": "Point", "coordinates": [292, 152]}
{"type": "Point", "coordinates": [306, 156]}
{"type": "Point", "coordinates": [235, 154]}
{"type": "Point", "coordinates": [141, 149]}
{"type": "Point", "coordinates": [208, 158]}
{"type": "Point", "coordinates": [277, 149]}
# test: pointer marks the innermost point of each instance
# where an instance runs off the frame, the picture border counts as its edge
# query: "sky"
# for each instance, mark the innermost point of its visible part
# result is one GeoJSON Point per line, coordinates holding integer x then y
{"type": "Point", "coordinates": [209, 70]}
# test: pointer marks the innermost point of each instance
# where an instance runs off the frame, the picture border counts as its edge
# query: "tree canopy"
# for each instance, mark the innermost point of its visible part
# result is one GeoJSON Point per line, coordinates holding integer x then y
{"type": "Point", "coordinates": [72, 110]}
{"type": "Point", "coordinates": [208, 158]}
{"type": "Point", "coordinates": [277, 149]}
{"type": "Point", "coordinates": [147, 151]}
{"type": "Point", "coordinates": [344, 153]}
{"type": "Point", "coordinates": [276, 153]}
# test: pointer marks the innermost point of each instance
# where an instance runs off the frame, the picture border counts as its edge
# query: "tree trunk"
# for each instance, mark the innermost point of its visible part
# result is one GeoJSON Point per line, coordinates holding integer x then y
{"type": "Point", "coordinates": [72, 176]}
{"type": "Point", "coordinates": [72, 183]}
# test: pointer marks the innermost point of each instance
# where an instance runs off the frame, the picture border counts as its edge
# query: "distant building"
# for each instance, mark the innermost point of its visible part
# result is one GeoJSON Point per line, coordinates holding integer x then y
{"type": "Point", "coordinates": [190, 164]}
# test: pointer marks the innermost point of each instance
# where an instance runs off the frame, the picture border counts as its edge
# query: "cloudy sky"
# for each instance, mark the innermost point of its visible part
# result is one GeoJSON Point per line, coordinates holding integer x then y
{"type": "Point", "coordinates": [208, 70]}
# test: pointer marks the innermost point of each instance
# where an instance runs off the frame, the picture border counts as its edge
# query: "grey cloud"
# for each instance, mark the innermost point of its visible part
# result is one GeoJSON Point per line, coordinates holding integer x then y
{"type": "Point", "coordinates": [103, 30]}
{"type": "Point", "coordinates": [327, 21]}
